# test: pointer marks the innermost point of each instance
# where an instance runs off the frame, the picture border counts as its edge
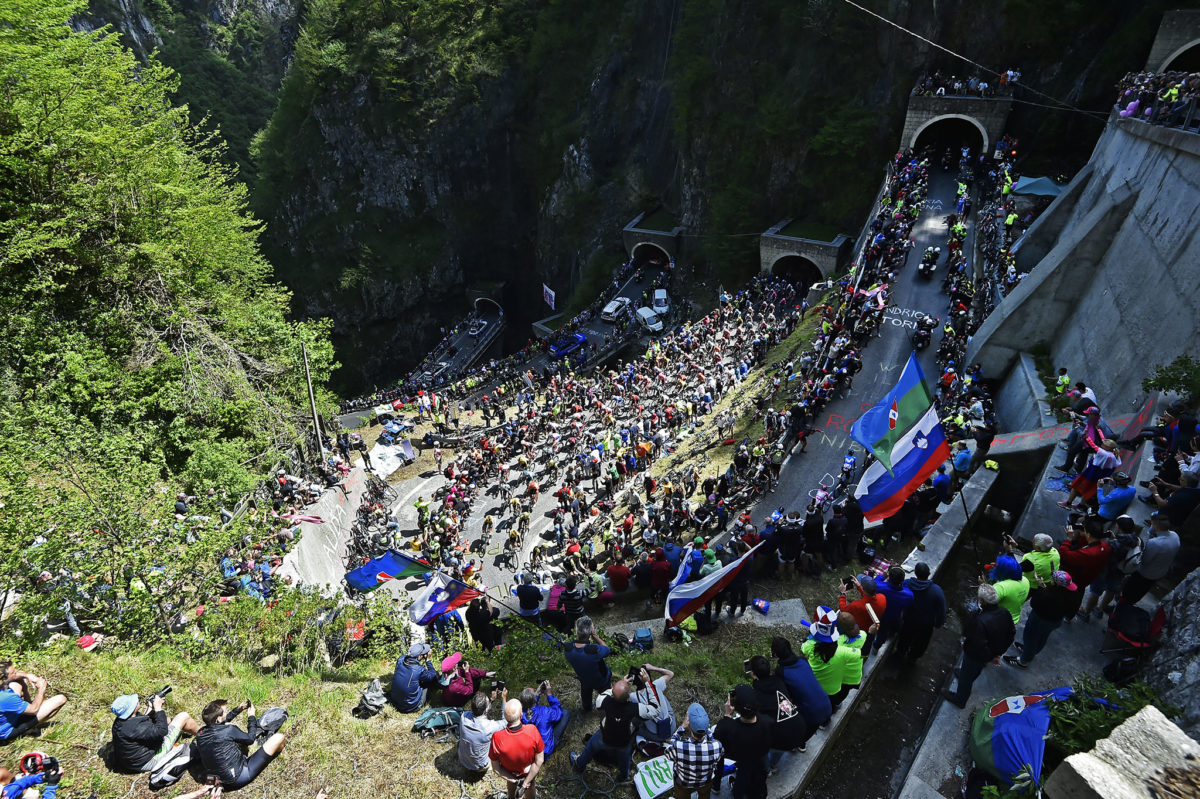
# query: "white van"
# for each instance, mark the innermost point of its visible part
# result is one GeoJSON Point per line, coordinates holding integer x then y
{"type": "Point", "coordinates": [649, 320]}
{"type": "Point", "coordinates": [661, 303]}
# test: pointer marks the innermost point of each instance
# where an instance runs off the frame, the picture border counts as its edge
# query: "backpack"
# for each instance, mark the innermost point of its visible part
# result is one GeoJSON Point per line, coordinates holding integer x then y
{"type": "Point", "coordinates": [1132, 559]}
{"type": "Point", "coordinates": [270, 722]}
{"type": "Point", "coordinates": [643, 639]}
{"type": "Point", "coordinates": [437, 719]}
{"type": "Point", "coordinates": [372, 701]}
{"type": "Point", "coordinates": [622, 642]}
{"type": "Point", "coordinates": [171, 768]}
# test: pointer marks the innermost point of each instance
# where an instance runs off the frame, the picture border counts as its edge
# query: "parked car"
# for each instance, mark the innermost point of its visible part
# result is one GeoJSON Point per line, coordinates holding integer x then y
{"type": "Point", "coordinates": [649, 320]}
{"type": "Point", "coordinates": [564, 346]}
{"type": "Point", "coordinates": [615, 309]}
{"type": "Point", "coordinates": [438, 371]}
{"type": "Point", "coordinates": [661, 303]}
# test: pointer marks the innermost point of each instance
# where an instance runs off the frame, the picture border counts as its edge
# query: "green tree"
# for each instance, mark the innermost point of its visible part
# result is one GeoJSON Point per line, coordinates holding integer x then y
{"type": "Point", "coordinates": [146, 347]}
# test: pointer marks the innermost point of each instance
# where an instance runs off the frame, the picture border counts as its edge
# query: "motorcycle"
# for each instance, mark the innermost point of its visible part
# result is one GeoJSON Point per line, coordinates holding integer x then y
{"type": "Point", "coordinates": [926, 268]}
{"type": "Point", "coordinates": [921, 339]}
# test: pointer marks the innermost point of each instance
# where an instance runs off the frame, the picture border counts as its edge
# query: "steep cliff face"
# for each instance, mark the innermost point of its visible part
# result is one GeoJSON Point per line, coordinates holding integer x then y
{"type": "Point", "coordinates": [230, 56]}
{"type": "Point", "coordinates": [422, 147]}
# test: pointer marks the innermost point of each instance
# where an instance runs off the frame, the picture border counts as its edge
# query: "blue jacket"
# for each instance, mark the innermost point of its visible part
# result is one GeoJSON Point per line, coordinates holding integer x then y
{"type": "Point", "coordinates": [673, 553]}
{"type": "Point", "coordinates": [805, 691]}
{"type": "Point", "coordinates": [21, 784]}
{"type": "Point", "coordinates": [410, 682]}
{"type": "Point", "coordinates": [928, 607]}
{"type": "Point", "coordinates": [897, 601]}
{"type": "Point", "coordinates": [544, 717]}
{"type": "Point", "coordinates": [941, 482]}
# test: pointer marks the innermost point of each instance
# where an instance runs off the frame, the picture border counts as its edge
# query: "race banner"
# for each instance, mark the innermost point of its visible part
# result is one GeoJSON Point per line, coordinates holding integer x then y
{"type": "Point", "coordinates": [548, 295]}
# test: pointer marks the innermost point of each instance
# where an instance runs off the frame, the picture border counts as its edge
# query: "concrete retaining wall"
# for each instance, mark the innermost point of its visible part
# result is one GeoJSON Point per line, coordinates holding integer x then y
{"type": "Point", "coordinates": [1115, 294]}
{"type": "Point", "coordinates": [1022, 402]}
{"type": "Point", "coordinates": [1179, 30]}
{"type": "Point", "coordinates": [317, 558]}
{"type": "Point", "coordinates": [988, 114]}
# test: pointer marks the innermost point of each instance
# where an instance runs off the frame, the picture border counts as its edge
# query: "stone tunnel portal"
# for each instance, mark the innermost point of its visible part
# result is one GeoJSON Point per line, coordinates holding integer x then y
{"type": "Point", "coordinates": [1185, 59]}
{"type": "Point", "coordinates": [797, 270]}
{"type": "Point", "coordinates": [952, 130]}
{"type": "Point", "coordinates": [650, 254]}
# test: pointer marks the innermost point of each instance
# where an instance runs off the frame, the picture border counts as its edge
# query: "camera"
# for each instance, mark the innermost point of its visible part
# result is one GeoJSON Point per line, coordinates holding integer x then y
{"type": "Point", "coordinates": [498, 685]}
{"type": "Point", "coordinates": [635, 676]}
{"type": "Point", "coordinates": [166, 689]}
{"type": "Point", "coordinates": [849, 580]}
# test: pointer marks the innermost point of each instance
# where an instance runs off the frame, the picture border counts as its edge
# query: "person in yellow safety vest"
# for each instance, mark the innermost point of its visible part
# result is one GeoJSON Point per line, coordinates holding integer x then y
{"type": "Point", "coordinates": [1171, 94]}
{"type": "Point", "coordinates": [1010, 219]}
{"type": "Point", "coordinates": [948, 329]}
{"type": "Point", "coordinates": [1063, 382]}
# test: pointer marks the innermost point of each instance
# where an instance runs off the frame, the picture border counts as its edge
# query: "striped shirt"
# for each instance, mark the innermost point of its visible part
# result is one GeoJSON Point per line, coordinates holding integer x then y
{"type": "Point", "coordinates": [697, 760]}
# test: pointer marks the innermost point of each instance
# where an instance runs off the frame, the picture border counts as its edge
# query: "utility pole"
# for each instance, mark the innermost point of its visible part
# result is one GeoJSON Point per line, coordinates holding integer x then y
{"type": "Point", "coordinates": [312, 401]}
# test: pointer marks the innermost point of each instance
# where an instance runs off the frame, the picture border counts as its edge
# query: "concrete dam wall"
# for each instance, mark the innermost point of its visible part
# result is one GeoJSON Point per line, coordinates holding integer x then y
{"type": "Point", "coordinates": [1114, 268]}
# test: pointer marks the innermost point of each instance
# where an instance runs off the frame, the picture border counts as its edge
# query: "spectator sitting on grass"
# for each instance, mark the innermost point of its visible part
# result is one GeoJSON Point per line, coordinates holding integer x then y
{"type": "Point", "coordinates": [221, 746]}
{"type": "Point", "coordinates": [142, 741]}
{"type": "Point", "coordinates": [18, 714]}
{"type": "Point", "coordinates": [475, 732]}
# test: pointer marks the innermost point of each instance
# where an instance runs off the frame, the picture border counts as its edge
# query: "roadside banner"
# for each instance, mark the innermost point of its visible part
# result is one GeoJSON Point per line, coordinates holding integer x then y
{"type": "Point", "coordinates": [548, 295]}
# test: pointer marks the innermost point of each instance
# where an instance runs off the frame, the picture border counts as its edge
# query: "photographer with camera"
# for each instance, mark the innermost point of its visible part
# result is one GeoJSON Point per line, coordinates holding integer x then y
{"type": "Point", "coordinates": [550, 719]}
{"type": "Point", "coordinates": [653, 692]}
{"type": "Point", "coordinates": [141, 741]}
{"type": "Point", "coordinates": [462, 681]}
{"type": "Point", "coordinates": [221, 746]}
{"type": "Point", "coordinates": [36, 769]}
{"type": "Point", "coordinates": [618, 726]}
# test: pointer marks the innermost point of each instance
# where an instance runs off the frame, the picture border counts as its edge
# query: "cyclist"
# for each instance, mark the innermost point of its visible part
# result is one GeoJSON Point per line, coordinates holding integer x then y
{"type": "Point", "coordinates": [523, 522]}
{"type": "Point", "coordinates": [489, 524]}
{"type": "Point", "coordinates": [849, 463]}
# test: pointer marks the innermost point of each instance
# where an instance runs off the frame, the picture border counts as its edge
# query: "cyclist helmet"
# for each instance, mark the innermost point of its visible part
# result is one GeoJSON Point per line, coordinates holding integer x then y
{"type": "Point", "coordinates": [36, 762]}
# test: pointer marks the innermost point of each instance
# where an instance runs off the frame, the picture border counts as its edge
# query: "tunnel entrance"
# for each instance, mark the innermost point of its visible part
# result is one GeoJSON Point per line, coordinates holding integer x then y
{"type": "Point", "coordinates": [797, 270]}
{"type": "Point", "coordinates": [649, 254]}
{"type": "Point", "coordinates": [1186, 60]}
{"type": "Point", "coordinates": [951, 132]}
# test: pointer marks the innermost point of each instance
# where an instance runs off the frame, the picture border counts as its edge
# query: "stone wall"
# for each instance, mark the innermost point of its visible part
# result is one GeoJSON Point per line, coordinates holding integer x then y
{"type": "Point", "coordinates": [1175, 668]}
{"type": "Point", "coordinates": [1178, 31]}
{"type": "Point", "coordinates": [1115, 292]}
{"type": "Point", "coordinates": [988, 114]}
{"type": "Point", "coordinates": [828, 256]}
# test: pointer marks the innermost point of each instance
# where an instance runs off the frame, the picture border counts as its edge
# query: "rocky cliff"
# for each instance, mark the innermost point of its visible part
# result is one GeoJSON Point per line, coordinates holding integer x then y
{"type": "Point", "coordinates": [230, 55]}
{"type": "Point", "coordinates": [420, 147]}
{"type": "Point", "coordinates": [1175, 667]}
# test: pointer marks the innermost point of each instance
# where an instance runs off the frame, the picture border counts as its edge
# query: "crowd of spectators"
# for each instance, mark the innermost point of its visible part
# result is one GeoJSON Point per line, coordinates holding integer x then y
{"type": "Point", "coordinates": [939, 84]}
{"type": "Point", "coordinates": [1165, 98]}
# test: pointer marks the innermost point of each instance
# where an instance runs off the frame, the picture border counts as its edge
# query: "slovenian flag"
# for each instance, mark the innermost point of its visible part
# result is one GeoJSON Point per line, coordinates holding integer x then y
{"type": "Point", "coordinates": [686, 598]}
{"type": "Point", "coordinates": [388, 566]}
{"type": "Point", "coordinates": [882, 426]}
{"type": "Point", "coordinates": [916, 456]}
{"type": "Point", "coordinates": [442, 595]}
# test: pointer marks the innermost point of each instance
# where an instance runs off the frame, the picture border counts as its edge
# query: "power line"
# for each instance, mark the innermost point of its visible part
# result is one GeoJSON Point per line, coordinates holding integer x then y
{"type": "Point", "coordinates": [931, 43]}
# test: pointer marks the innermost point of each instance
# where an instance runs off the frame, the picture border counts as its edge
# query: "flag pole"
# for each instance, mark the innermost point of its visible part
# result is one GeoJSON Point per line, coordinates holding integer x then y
{"type": "Point", "coordinates": [966, 522]}
{"type": "Point", "coordinates": [486, 593]}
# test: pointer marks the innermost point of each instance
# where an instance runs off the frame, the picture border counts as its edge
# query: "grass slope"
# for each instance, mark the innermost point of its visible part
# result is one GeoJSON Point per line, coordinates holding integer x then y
{"type": "Point", "coordinates": [327, 747]}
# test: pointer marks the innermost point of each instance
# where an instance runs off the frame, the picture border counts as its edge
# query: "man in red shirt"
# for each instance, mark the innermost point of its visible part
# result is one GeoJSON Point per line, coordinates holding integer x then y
{"type": "Point", "coordinates": [517, 752]}
{"type": "Point", "coordinates": [618, 575]}
{"type": "Point", "coordinates": [1085, 555]}
{"type": "Point", "coordinates": [858, 608]}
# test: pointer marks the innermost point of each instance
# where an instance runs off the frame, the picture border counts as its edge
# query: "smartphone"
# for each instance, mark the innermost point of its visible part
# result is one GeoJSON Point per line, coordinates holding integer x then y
{"type": "Point", "coordinates": [848, 580]}
{"type": "Point", "coordinates": [745, 667]}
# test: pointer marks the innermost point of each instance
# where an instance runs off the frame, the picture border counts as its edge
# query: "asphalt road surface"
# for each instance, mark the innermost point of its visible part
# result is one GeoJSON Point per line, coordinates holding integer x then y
{"type": "Point", "coordinates": [883, 358]}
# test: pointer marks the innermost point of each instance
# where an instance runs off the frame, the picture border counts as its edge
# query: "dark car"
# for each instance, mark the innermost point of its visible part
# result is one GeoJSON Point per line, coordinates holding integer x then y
{"type": "Point", "coordinates": [564, 346]}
